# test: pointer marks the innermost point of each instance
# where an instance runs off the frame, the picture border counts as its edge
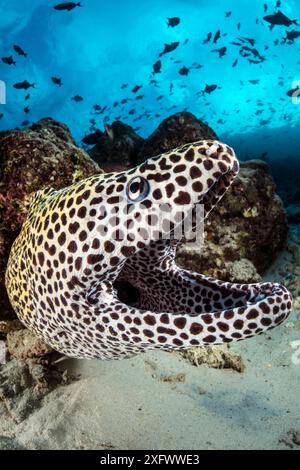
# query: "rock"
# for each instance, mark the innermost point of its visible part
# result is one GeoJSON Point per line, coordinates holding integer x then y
{"type": "Point", "coordinates": [22, 387]}
{"type": "Point", "coordinates": [217, 357]}
{"type": "Point", "coordinates": [244, 232]}
{"type": "Point", "coordinates": [10, 325]}
{"type": "Point", "coordinates": [176, 130]}
{"type": "Point", "coordinates": [43, 155]}
{"type": "Point", "coordinates": [23, 344]}
{"type": "Point", "coordinates": [117, 148]}
{"type": "Point", "coordinates": [291, 439]}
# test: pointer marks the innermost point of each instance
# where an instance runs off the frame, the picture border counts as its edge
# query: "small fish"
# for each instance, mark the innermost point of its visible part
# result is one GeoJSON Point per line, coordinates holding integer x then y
{"type": "Point", "coordinates": [217, 36]}
{"type": "Point", "coordinates": [238, 26]}
{"type": "Point", "coordinates": [169, 48]}
{"type": "Point", "coordinates": [92, 139]}
{"type": "Point", "coordinates": [278, 4]}
{"type": "Point", "coordinates": [254, 82]}
{"type": "Point", "coordinates": [26, 110]}
{"type": "Point", "coordinates": [56, 81]}
{"type": "Point", "coordinates": [279, 19]}
{"type": "Point", "coordinates": [1, 115]}
{"type": "Point", "coordinates": [139, 97]}
{"type": "Point", "coordinates": [235, 63]}
{"type": "Point", "coordinates": [173, 21]}
{"type": "Point", "coordinates": [157, 67]}
{"type": "Point", "coordinates": [24, 85]}
{"type": "Point", "coordinates": [136, 88]}
{"type": "Point", "coordinates": [221, 51]}
{"type": "Point", "coordinates": [67, 6]}
{"type": "Point", "coordinates": [27, 97]}
{"type": "Point", "coordinates": [8, 60]}
{"type": "Point", "coordinates": [97, 107]}
{"type": "Point", "coordinates": [228, 14]}
{"type": "Point", "coordinates": [265, 8]}
{"type": "Point", "coordinates": [184, 71]}
{"type": "Point", "coordinates": [294, 92]}
{"type": "Point", "coordinates": [209, 89]}
{"type": "Point", "coordinates": [208, 38]}
{"type": "Point", "coordinates": [19, 50]}
{"type": "Point", "coordinates": [125, 85]}
{"type": "Point", "coordinates": [77, 98]}
{"type": "Point", "coordinates": [25, 123]}
{"type": "Point", "coordinates": [291, 36]}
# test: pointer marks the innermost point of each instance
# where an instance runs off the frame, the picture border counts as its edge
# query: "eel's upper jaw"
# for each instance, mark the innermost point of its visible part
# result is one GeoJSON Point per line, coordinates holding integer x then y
{"type": "Point", "coordinates": [219, 188]}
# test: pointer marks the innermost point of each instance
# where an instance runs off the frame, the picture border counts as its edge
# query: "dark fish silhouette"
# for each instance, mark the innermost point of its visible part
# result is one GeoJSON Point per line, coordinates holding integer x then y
{"type": "Point", "coordinates": [1, 115]}
{"type": "Point", "coordinates": [125, 85]}
{"type": "Point", "coordinates": [184, 71]}
{"type": "Point", "coordinates": [25, 123]}
{"type": "Point", "coordinates": [291, 36]}
{"type": "Point", "coordinates": [56, 81]}
{"type": "Point", "coordinates": [139, 97]}
{"type": "Point", "coordinates": [279, 19]}
{"type": "Point", "coordinates": [235, 63]}
{"type": "Point", "coordinates": [250, 40]}
{"type": "Point", "coordinates": [92, 139]}
{"type": "Point", "coordinates": [265, 8]}
{"type": "Point", "coordinates": [8, 60]}
{"type": "Point", "coordinates": [157, 67]}
{"type": "Point", "coordinates": [217, 36]}
{"type": "Point", "coordinates": [77, 98]}
{"type": "Point", "coordinates": [97, 107]}
{"type": "Point", "coordinates": [209, 89]}
{"type": "Point", "coordinates": [228, 14]}
{"type": "Point", "coordinates": [254, 82]}
{"type": "Point", "coordinates": [67, 6]}
{"type": "Point", "coordinates": [173, 21]}
{"type": "Point", "coordinates": [27, 97]}
{"type": "Point", "coordinates": [294, 92]}
{"type": "Point", "coordinates": [278, 4]}
{"type": "Point", "coordinates": [19, 50]}
{"type": "Point", "coordinates": [26, 109]}
{"type": "Point", "coordinates": [23, 85]}
{"type": "Point", "coordinates": [169, 48]}
{"type": "Point", "coordinates": [239, 26]}
{"type": "Point", "coordinates": [136, 88]}
{"type": "Point", "coordinates": [221, 51]}
{"type": "Point", "coordinates": [208, 38]}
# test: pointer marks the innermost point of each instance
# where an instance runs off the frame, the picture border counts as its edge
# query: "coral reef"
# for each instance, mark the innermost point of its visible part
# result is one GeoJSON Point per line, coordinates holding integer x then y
{"type": "Point", "coordinates": [217, 357]}
{"type": "Point", "coordinates": [43, 155]}
{"type": "Point", "coordinates": [117, 148]}
{"type": "Point", "coordinates": [23, 345]}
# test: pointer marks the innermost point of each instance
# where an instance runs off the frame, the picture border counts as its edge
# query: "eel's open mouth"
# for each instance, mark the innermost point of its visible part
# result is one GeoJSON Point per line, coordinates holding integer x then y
{"type": "Point", "coordinates": [151, 281]}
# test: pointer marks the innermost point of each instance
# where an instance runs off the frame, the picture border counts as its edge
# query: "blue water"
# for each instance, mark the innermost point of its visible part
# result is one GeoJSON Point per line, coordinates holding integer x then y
{"type": "Point", "coordinates": [97, 48]}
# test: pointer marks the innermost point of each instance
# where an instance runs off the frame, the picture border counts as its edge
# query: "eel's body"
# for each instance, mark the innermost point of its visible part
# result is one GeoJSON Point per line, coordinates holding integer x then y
{"type": "Point", "coordinates": [81, 244]}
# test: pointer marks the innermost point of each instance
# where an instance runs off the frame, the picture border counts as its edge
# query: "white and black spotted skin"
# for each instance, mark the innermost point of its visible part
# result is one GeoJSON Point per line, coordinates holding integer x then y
{"type": "Point", "coordinates": [65, 269]}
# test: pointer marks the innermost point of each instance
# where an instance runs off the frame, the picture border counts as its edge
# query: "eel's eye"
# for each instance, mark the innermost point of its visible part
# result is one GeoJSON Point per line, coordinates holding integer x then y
{"type": "Point", "coordinates": [137, 189]}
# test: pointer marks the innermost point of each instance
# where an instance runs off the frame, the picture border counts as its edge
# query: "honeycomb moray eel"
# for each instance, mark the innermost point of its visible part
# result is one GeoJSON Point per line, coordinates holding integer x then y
{"type": "Point", "coordinates": [92, 289]}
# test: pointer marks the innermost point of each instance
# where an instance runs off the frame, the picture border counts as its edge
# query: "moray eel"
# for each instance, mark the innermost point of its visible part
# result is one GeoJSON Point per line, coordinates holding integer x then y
{"type": "Point", "coordinates": [83, 246]}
